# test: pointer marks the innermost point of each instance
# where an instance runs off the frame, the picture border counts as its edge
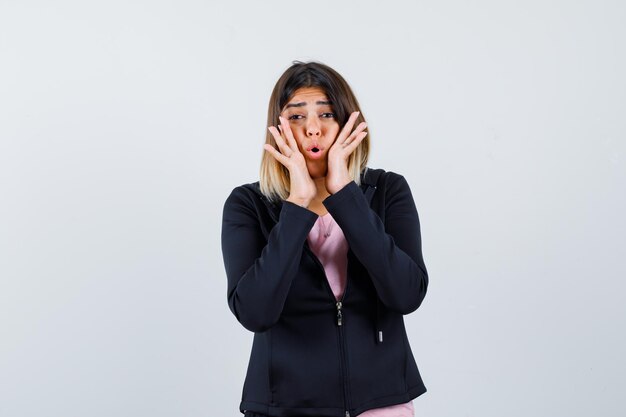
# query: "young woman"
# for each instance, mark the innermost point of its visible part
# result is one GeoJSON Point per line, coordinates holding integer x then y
{"type": "Point", "coordinates": [323, 258]}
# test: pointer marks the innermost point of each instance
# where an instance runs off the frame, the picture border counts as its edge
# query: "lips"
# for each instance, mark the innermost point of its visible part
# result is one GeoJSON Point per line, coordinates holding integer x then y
{"type": "Point", "coordinates": [314, 151]}
{"type": "Point", "coordinates": [315, 148]}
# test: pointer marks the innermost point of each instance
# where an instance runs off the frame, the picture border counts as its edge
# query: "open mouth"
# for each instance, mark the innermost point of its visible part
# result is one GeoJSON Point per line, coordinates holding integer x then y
{"type": "Point", "coordinates": [315, 151]}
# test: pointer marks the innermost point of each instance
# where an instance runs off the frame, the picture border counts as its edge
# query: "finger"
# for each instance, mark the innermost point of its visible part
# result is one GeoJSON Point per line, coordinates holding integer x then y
{"type": "Point", "coordinates": [286, 129]}
{"type": "Point", "coordinates": [280, 141]}
{"type": "Point", "coordinates": [277, 155]}
{"type": "Point", "coordinates": [345, 132]}
{"type": "Point", "coordinates": [353, 145]}
{"type": "Point", "coordinates": [360, 128]}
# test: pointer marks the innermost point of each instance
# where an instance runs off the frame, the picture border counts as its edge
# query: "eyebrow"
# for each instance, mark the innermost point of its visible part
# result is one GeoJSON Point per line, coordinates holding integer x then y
{"type": "Point", "coordinates": [302, 104]}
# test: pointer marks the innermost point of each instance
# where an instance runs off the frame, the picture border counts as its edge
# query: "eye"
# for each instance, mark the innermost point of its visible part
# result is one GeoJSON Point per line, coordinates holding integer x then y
{"type": "Point", "coordinates": [328, 115]}
{"type": "Point", "coordinates": [294, 117]}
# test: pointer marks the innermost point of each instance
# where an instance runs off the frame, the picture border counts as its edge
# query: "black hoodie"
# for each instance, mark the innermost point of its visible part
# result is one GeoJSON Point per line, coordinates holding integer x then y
{"type": "Point", "coordinates": [312, 355]}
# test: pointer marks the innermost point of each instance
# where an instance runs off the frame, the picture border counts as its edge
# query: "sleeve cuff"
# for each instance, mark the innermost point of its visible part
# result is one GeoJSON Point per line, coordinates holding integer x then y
{"type": "Point", "coordinates": [348, 191]}
{"type": "Point", "coordinates": [290, 209]}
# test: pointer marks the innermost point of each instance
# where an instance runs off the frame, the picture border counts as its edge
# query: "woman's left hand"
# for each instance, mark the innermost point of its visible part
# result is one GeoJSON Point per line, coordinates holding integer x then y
{"type": "Point", "coordinates": [338, 154]}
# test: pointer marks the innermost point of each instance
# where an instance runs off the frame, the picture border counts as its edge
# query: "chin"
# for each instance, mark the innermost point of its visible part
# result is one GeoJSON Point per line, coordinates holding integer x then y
{"type": "Point", "coordinates": [317, 169]}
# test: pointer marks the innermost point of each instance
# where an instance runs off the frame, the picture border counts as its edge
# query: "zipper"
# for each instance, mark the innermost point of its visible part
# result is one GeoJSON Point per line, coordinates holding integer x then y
{"type": "Point", "coordinates": [339, 313]}
{"type": "Point", "coordinates": [340, 324]}
{"type": "Point", "coordinates": [344, 370]}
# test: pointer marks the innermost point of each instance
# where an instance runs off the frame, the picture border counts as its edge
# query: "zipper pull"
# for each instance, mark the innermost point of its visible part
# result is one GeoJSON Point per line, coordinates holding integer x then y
{"type": "Point", "coordinates": [347, 414]}
{"type": "Point", "coordinates": [339, 317]}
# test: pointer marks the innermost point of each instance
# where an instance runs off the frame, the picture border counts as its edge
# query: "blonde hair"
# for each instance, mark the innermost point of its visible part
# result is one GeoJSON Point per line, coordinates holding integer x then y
{"type": "Point", "coordinates": [274, 177]}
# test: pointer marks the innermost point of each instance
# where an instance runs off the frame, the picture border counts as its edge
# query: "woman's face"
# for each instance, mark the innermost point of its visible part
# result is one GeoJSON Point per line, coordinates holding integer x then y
{"type": "Point", "coordinates": [313, 123]}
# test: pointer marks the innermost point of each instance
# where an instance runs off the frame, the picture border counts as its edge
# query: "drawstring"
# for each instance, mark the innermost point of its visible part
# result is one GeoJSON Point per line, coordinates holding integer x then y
{"type": "Point", "coordinates": [379, 330]}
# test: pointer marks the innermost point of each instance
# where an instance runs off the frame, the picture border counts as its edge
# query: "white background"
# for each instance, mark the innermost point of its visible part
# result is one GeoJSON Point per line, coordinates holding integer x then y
{"type": "Point", "coordinates": [125, 124]}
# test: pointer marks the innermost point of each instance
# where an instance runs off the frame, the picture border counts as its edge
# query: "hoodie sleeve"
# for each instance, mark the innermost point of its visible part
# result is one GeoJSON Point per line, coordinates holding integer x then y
{"type": "Point", "coordinates": [260, 271]}
{"type": "Point", "coordinates": [391, 253]}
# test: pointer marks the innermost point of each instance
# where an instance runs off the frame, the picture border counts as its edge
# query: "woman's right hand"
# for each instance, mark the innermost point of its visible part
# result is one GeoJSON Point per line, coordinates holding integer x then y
{"type": "Point", "coordinates": [302, 188]}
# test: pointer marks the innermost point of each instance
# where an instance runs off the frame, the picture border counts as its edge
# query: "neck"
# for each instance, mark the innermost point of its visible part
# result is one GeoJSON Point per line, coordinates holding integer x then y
{"type": "Point", "coordinates": [320, 184]}
{"type": "Point", "coordinates": [316, 204]}
{"type": "Point", "coordinates": [317, 169]}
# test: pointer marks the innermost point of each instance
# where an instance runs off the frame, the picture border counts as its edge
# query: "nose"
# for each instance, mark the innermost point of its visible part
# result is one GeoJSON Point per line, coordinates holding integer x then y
{"type": "Point", "coordinates": [313, 127]}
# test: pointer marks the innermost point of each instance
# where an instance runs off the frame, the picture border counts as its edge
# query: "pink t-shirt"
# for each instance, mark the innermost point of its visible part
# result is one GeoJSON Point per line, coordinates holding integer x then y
{"type": "Point", "coordinates": [329, 244]}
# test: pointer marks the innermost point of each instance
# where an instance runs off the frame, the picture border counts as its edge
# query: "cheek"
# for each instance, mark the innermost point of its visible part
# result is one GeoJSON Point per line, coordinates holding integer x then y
{"type": "Point", "coordinates": [298, 132]}
{"type": "Point", "coordinates": [298, 136]}
{"type": "Point", "coordinates": [332, 131]}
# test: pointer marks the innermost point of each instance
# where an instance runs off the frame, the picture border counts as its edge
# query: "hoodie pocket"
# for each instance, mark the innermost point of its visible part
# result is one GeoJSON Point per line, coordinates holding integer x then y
{"type": "Point", "coordinates": [376, 370]}
{"type": "Point", "coordinates": [305, 368]}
